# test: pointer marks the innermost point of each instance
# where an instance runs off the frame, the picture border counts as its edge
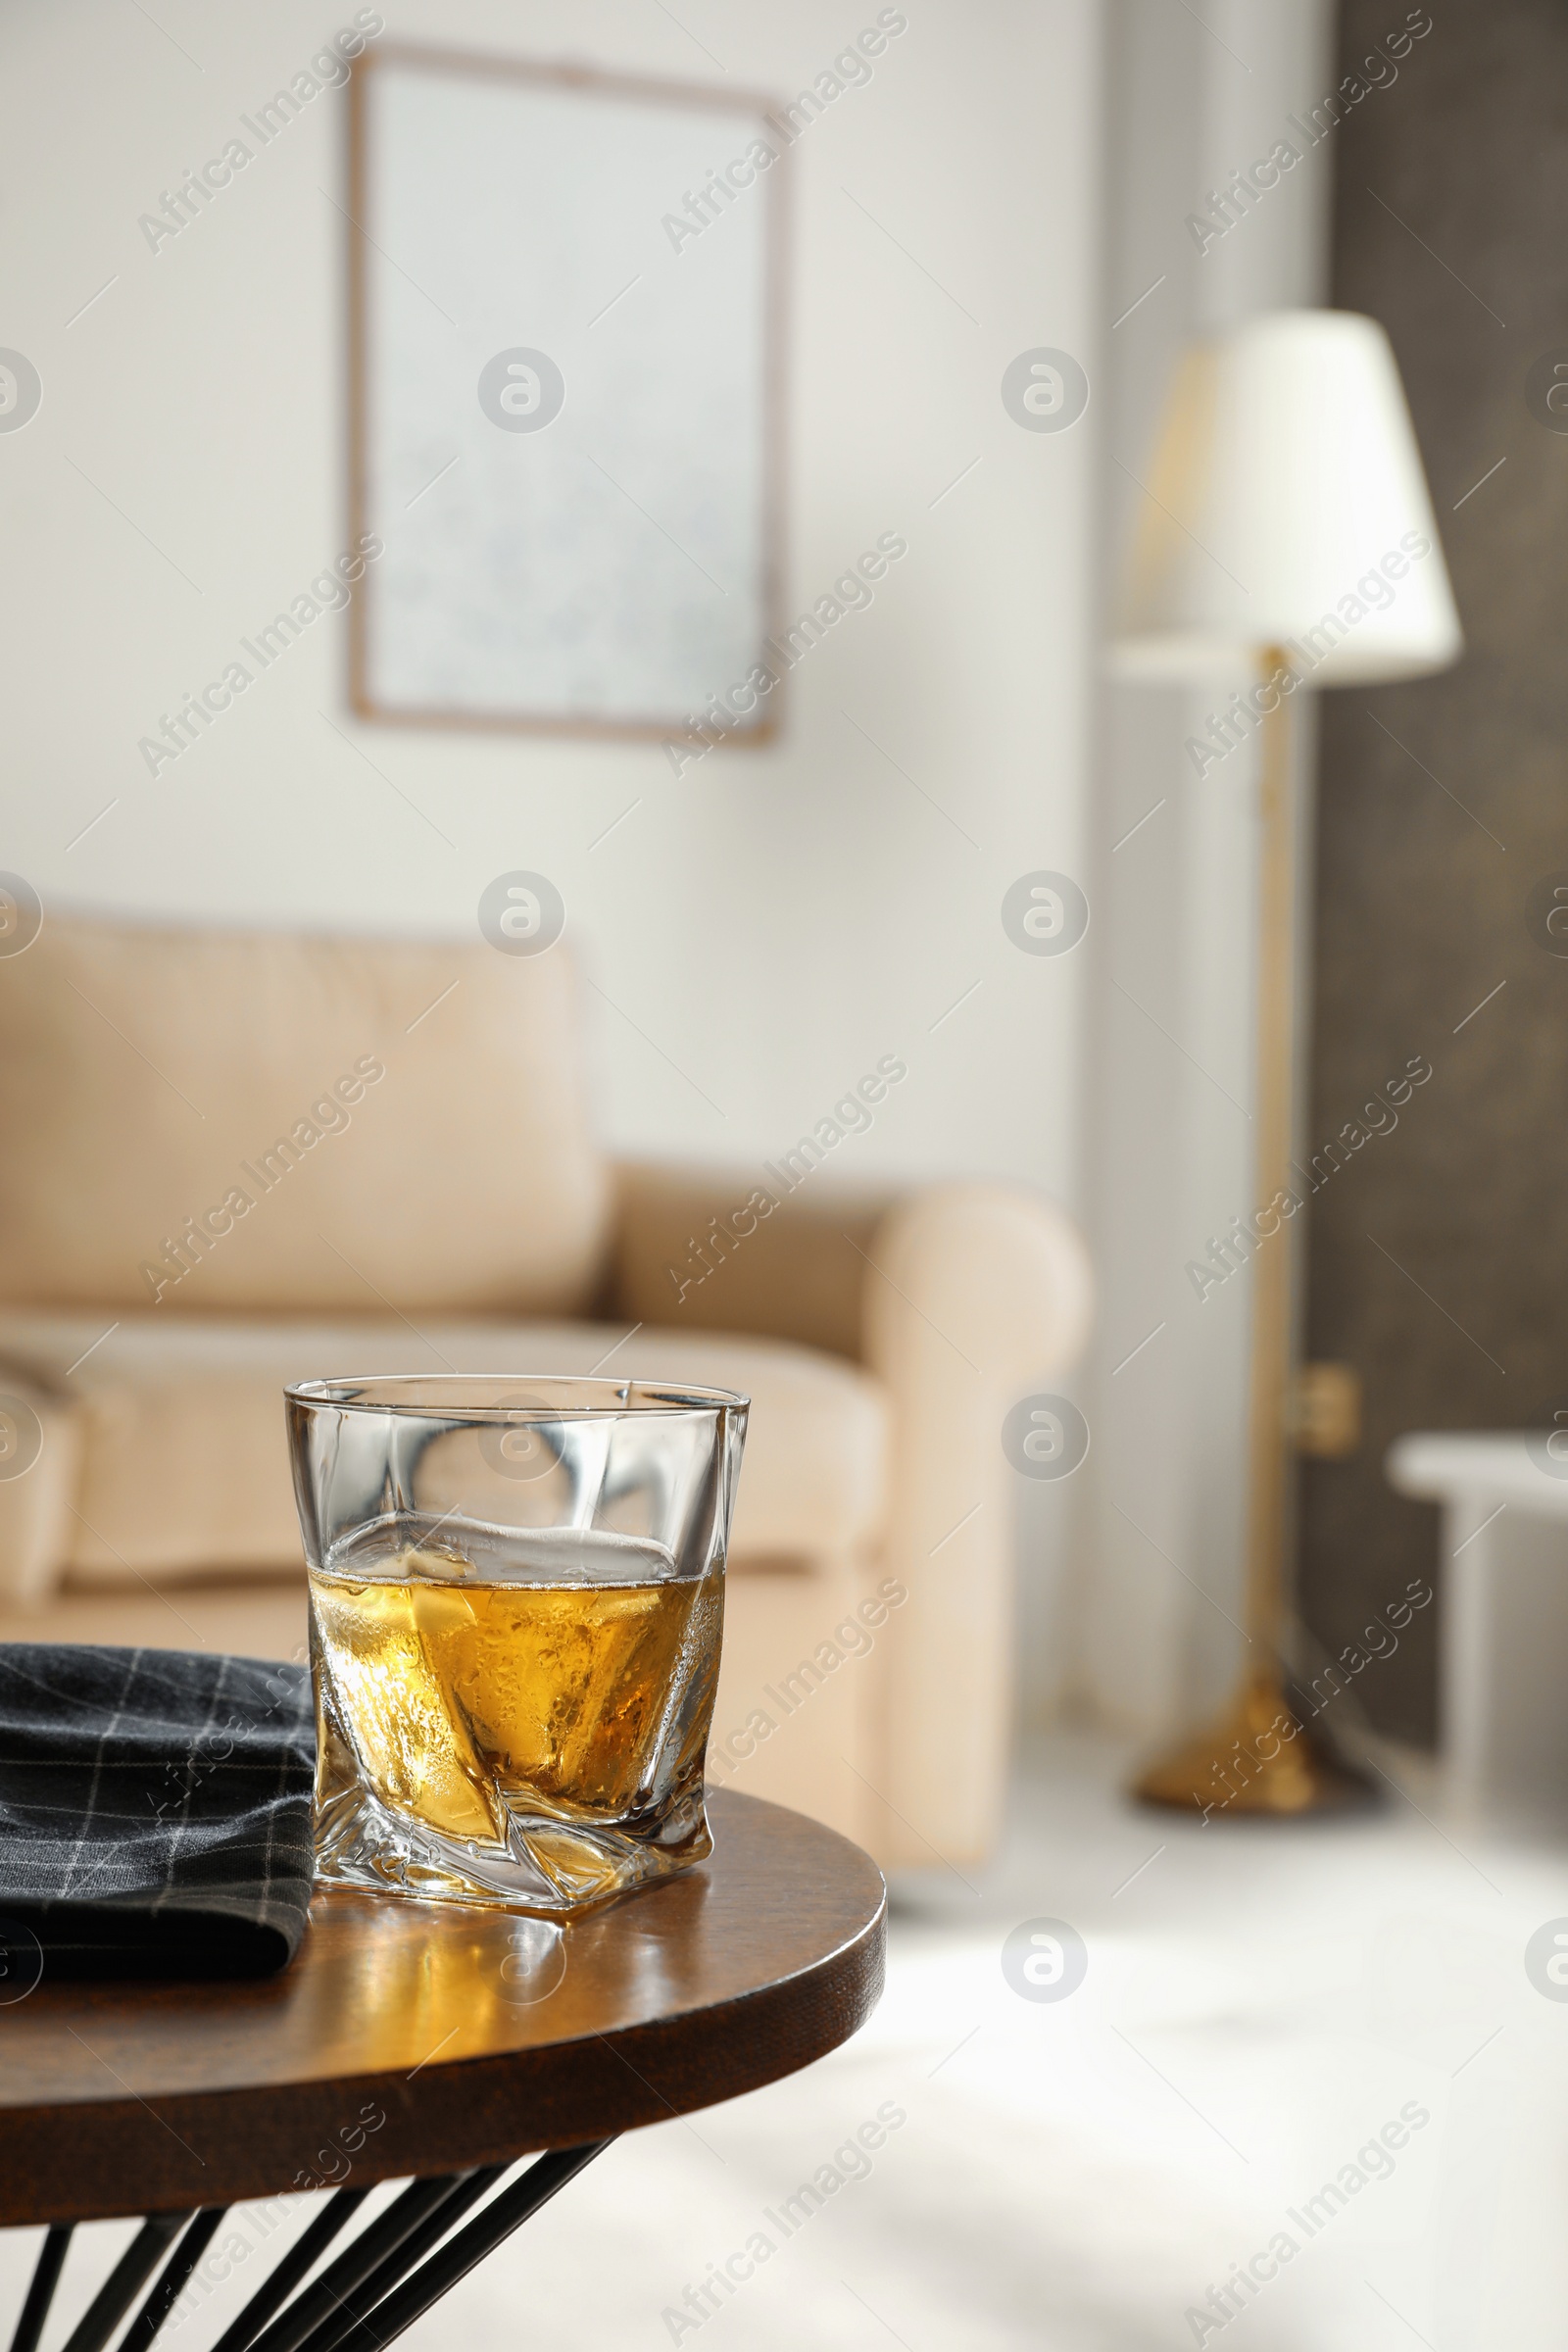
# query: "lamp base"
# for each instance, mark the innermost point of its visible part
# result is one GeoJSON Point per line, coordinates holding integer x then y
{"type": "Point", "coordinates": [1260, 1756]}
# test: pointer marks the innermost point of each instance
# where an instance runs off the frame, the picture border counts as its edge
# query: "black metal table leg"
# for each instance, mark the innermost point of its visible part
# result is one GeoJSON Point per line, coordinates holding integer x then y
{"type": "Point", "coordinates": [459, 2199]}
{"type": "Point", "coordinates": [41, 2291]}
{"type": "Point", "coordinates": [125, 2283]}
{"type": "Point", "coordinates": [322, 2301]}
{"type": "Point", "coordinates": [296, 2265]}
{"type": "Point", "coordinates": [460, 2254]}
{"type": "Point", "coordinates": [172, 2279]}
{"type": "Point", "coordinates": [384, 2279]}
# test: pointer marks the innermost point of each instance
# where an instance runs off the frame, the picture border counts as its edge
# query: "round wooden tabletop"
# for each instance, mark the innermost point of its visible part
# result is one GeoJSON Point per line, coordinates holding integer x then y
{"type": "Point", "coordinates": [410, 2038]}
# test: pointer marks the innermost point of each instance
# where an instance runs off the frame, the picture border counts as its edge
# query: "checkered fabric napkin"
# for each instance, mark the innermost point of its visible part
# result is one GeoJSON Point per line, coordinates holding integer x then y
{"type": "Point", "coordinates": [155, 1811]}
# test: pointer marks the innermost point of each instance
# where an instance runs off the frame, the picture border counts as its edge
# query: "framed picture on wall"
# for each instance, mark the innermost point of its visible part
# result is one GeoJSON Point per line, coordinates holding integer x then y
{"type": "Point", "coordinates": [565, 384]}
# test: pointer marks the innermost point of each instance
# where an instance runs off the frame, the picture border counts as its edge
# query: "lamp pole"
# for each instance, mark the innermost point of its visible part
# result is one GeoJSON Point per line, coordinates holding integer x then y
{"type": "Point", "coordinates": [1261, 1755]}
{"type": "Point", "coordinates": [1273, 1266]}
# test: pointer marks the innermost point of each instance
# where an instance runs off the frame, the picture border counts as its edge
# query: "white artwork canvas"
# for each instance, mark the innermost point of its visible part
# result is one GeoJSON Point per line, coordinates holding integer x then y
{"type": "Point", "coordinates": [565, 388]}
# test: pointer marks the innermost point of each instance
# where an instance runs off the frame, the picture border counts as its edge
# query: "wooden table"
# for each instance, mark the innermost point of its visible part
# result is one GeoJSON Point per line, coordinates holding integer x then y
{"type": "Point", "coordinates": [422, 2041]}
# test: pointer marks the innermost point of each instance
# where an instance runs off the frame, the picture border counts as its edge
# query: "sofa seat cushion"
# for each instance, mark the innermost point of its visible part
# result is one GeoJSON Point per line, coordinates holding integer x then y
{"type": "Point", "coordinates": [182, 1464]}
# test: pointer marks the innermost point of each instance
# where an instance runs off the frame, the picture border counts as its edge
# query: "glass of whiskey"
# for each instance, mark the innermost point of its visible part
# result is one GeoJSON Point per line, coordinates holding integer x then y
{"type": "Point", "coordinates": [517, 1596]}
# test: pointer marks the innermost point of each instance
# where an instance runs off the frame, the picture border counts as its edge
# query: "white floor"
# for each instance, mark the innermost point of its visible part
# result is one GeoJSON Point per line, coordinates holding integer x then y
{"type": "Point", "coordinates": [1078, 2175]}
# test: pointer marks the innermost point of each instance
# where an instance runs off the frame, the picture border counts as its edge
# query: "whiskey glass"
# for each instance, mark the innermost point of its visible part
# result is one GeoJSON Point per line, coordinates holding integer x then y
{"type": "Point", "coordinates": [517, 1598]}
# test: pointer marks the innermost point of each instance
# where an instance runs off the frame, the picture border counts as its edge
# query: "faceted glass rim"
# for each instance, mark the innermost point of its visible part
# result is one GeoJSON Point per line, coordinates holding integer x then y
{"type": "Point", "coordinates": [467, 1397]}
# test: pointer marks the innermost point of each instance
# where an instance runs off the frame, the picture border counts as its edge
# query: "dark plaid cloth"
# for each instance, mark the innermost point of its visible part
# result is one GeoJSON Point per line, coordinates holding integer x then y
{"type": "Point", "coordinates": [155, 1811]}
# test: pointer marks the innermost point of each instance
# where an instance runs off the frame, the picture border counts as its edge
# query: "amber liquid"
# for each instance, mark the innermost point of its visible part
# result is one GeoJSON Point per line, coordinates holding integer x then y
{"type": "Point", "coordinates": [568, 1693]}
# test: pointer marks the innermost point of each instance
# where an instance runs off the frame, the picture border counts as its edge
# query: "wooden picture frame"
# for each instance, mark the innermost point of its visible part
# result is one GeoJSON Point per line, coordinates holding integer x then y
{"type": "Point", "coordinates": [558, 592]}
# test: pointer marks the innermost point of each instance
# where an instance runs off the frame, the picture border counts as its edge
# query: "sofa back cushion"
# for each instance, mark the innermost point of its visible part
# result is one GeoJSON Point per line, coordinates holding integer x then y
{"type": "Point", "coordinates": [216, 1120]}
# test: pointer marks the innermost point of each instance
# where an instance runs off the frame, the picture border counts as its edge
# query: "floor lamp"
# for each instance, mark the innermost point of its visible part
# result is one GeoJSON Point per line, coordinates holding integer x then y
{"type": "Point", "coordinates": [1286, 531]}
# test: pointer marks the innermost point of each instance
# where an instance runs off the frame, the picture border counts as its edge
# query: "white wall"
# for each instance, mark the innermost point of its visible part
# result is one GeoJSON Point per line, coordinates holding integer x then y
{"type": "Point", "coordinates": [775, 921]}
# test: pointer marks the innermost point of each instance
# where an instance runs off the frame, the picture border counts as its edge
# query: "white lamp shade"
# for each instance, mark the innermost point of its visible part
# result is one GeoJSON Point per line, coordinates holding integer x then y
{"type": "Point", "coordinates": [1288, 506]}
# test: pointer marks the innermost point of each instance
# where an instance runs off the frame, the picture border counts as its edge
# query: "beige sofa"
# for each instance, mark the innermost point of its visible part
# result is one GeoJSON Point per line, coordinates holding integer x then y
{"type": "Point", "coordinates": [229, 1161]}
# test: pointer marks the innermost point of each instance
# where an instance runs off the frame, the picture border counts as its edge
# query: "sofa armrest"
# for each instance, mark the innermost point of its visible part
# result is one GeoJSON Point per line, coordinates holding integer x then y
{"type": "Point", "coordinates": [699, 1251]}
{"type": "Point", "coordinates": [40, 1459]}
{"type": "Point", "coordinates": [976, 1291]}
{"type": "Point", "coordinates": [956, 1297]}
